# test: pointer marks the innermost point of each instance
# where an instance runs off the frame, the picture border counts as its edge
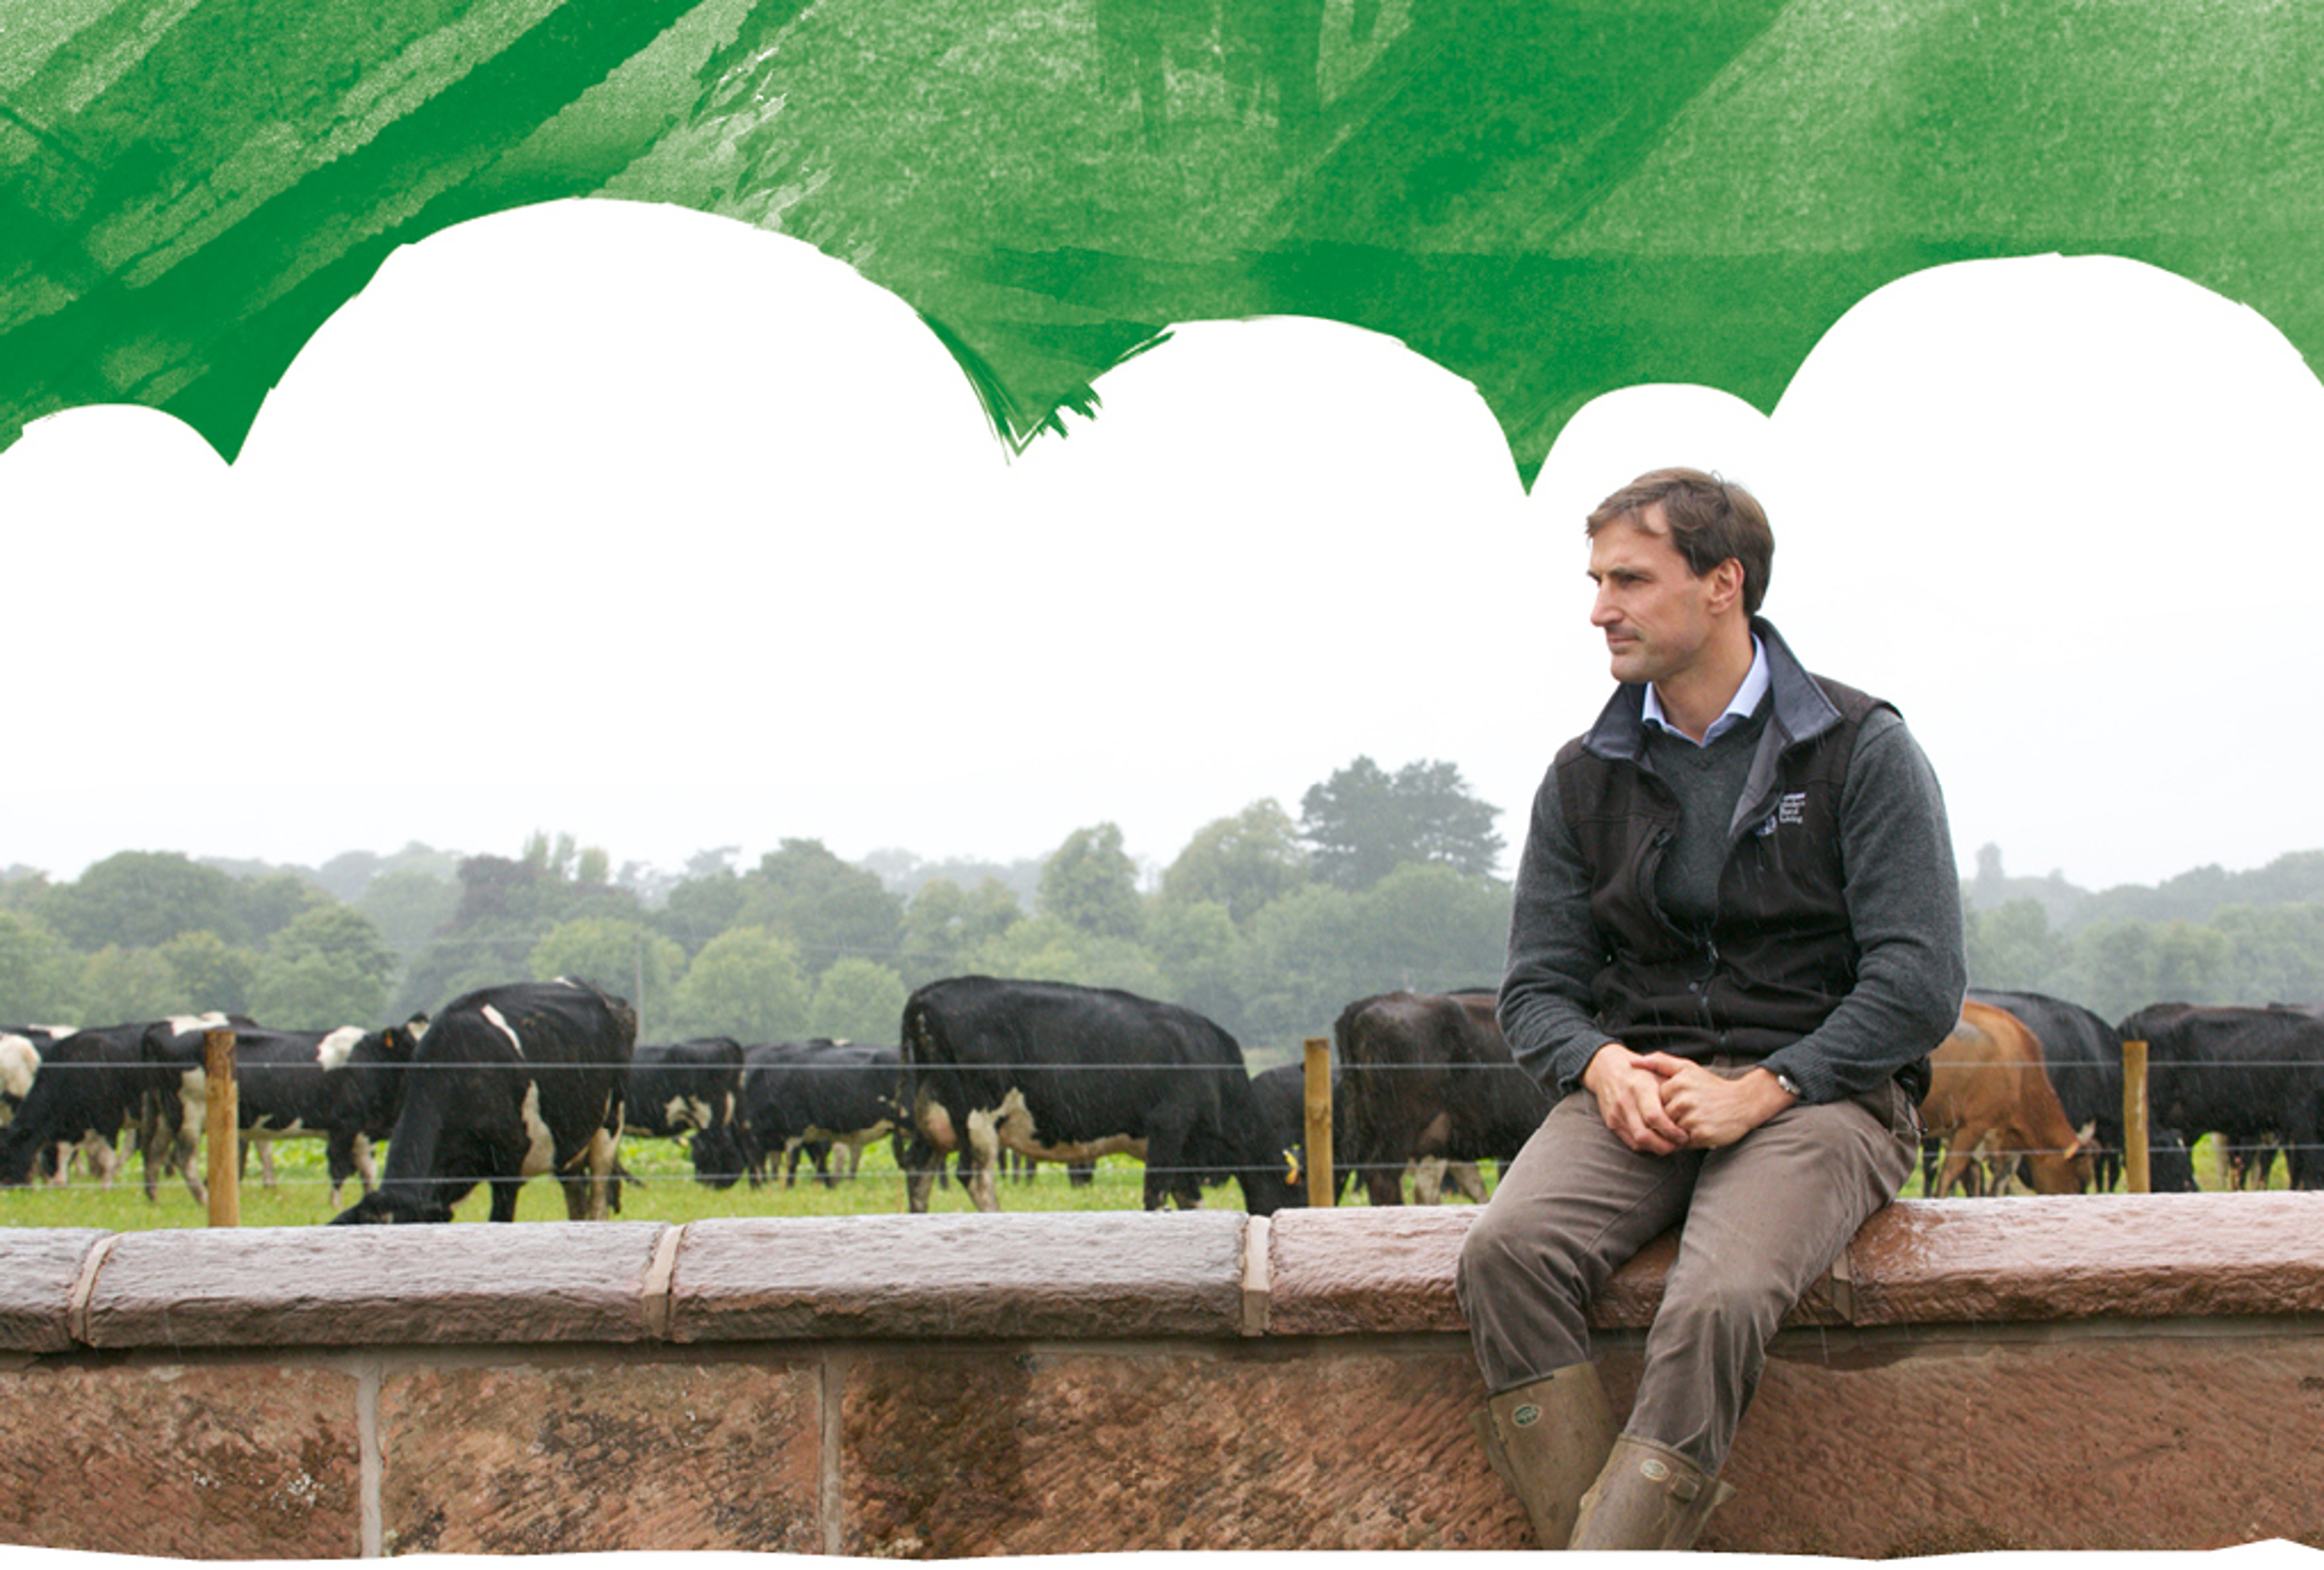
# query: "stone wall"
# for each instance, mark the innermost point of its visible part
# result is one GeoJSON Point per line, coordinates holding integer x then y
{"type": "Point", "coordinates": [2021, 1374]}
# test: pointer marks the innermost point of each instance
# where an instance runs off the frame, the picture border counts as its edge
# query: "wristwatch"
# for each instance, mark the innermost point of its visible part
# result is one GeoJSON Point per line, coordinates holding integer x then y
{"type": "Point", "coordinates": [1790, 1084]}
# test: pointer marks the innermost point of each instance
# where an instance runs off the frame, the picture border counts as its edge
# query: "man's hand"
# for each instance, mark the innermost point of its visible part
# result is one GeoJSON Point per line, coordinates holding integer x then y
{"type": "Point", "coordinates": [1629, 1087]}
{"type": "Point", "coordinates": [1711, 1110]}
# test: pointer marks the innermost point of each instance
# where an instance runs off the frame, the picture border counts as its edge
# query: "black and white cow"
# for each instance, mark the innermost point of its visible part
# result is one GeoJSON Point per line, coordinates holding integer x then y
{"type": "Point", "coordinates": [682, 1088]}
{"type": "Point", "coordinates": [21, 1050]}
{"type": "Point", "coordinates": [344, 1087]}
{"type": "Point", "coordinates": [91, 1083]}
{"type": "Point", "coordinates": [1067, 1073]}
{"type": "Point", "coordinates": [510, 1083]}
{"type": "Point", "coordinates": [802, 1097]}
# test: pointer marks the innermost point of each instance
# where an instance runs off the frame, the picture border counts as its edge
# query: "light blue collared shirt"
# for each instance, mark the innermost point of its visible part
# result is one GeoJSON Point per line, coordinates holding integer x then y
{"type": "Point", "coordinates": [1738, 708]}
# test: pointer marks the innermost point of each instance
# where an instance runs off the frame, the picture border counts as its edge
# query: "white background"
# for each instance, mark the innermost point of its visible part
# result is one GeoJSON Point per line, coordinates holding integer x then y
{"type": "Point", "coordinates": [669, 532]}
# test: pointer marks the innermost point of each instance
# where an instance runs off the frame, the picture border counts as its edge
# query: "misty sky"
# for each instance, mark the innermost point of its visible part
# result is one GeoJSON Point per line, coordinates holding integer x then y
{"type": "Point", "coordinates": [669, 532]}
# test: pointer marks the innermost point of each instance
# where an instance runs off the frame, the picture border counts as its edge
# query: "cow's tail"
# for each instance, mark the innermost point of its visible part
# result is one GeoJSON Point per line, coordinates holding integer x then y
{"type": "Point", "coordinates": [923, 1043]}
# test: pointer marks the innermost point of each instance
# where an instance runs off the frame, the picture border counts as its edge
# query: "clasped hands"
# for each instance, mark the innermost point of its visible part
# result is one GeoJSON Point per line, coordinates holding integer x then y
{"type": "Point", "coordinates": [1656, 1103]}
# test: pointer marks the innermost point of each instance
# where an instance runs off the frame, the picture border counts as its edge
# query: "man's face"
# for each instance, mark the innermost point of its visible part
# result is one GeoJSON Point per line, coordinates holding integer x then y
{"type": "Point", "coordinates": [1655, 612]}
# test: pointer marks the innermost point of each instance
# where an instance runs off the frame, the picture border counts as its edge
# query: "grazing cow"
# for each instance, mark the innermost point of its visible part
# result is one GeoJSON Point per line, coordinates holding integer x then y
{"type": "Point", "coordinates": [1068, 1073]}
{"type": "Point", "coordinates": [802, 1097]}
{"type": "Point", "coordinates": [21, 1050]}
{"type": "Point", "coordinates": [695, 1088]}
{"type": "Point", "coordinates": [91, 1083]}
{"type": "Point", "coordinates": [1279, 1096]}
{"type": "Point", "coordinates": [1989, 1096]}
{"type": "Point", "coordinates": [508, 1082]}
{"type": "Point", "coordinates": [1427, 1077]}
{"type": "Point", "coordinates": [2082, 1055]}
{"type": "Point", "coordinates": [344, 1087]}
{"type": "Point", "coordinates": [2250, 1075]}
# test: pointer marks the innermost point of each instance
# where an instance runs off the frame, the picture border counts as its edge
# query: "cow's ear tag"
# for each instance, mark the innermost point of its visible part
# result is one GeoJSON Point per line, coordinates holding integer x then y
{"type": "Point", "coordinates": [1525, 1417]}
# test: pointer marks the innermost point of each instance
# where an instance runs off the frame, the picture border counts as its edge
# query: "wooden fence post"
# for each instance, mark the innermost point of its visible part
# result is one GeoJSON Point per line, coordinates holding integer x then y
{"type": "Point", "coordinates": [222, 1126]}
{"type": "Point", "coordinates": [1318, 1081]}
{"type": "Point", "coordinates": [2136, 1176]}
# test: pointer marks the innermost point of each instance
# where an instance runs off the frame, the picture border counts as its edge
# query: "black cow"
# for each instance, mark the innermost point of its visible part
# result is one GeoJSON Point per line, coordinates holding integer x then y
{"type": "Point", "coordinates": [91, 1083]}
{"type": "Point", "coordinates": [344, 1087]}
{"type": "Point", "coordinates": [802, 1097]}
{"type": "Point", "coordinates": [1427, 1077]}
{"type": "Point", "coordinates": [1279, 1098]}
{"type": "Point", "coordinates": [695, 1088]}
{"type": "Point", "coordinates": [2248, 1075]}
{"type": "Point", "coordinates": [1068, 1073]}
{"type": "Point", "coordinates": [508, 1082]}
{"type": "Point", "coordinates": [2083, 1057]}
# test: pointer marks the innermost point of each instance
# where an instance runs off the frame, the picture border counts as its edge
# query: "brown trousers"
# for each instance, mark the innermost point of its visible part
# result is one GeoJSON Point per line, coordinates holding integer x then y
{"type": "Point", "coordinates": [1760, 1221]}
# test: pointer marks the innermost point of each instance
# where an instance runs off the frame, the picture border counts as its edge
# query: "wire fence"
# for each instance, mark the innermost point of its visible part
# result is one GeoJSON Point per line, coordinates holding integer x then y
{"type": "Point", "coordinates": [2236, 1156]}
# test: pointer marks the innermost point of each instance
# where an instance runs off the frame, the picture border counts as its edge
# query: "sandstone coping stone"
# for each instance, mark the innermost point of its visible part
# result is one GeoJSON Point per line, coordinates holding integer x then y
{"type": "Point", "coordinates": [39, 1267]}
{"type": "Point", "coordinates": [2135, 1256]}
{"type": "Point", "coordinates": [2024, 1258]}
{"type": "Point", "coordinates": [1107, 1274]}
{"type": "Point", "coordinates": [375, 1285]}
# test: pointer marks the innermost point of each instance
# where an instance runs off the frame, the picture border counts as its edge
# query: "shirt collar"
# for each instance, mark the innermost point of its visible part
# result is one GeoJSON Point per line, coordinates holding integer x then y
{"type": "Point", "coordinates": [1738, 708]}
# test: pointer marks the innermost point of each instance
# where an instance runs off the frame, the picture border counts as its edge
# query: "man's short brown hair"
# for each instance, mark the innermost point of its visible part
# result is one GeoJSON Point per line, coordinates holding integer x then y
{"type": "Point", "coordinates": [1710, 519]}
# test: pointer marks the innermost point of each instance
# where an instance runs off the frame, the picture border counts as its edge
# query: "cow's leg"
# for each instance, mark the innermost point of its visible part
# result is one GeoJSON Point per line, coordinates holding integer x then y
{"type": "Point", "coordinates": [821, 1151]}
{"type": "Point", "coordinates": [503, 1197]}
{"type": "Point", "coordinates": [980, 1161]}
{"type": "Point", "coordinates": [1428, 1180]}
{"type": "Point", "coordinates": [922, 1164]}
{"type": "Point", "coordinates": [1468, 1180]}
{"type": "Point", "coordinates": [266, 1164]}
{"type": "Point", "coordinates": [1166, 1171]}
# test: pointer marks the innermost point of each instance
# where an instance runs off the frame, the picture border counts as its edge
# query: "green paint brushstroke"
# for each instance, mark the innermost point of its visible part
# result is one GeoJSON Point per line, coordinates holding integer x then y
{"type": "Point", "coordinates": [1550, 201]}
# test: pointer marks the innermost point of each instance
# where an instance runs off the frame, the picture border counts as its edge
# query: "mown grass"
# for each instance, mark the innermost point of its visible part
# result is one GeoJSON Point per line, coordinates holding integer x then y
{"type": "Point", "coordinates": [667, 1193]}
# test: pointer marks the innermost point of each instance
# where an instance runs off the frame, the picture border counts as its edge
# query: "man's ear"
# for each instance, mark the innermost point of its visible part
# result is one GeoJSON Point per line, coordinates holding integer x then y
{"type": "Point", "coordinates": [1725, 584]}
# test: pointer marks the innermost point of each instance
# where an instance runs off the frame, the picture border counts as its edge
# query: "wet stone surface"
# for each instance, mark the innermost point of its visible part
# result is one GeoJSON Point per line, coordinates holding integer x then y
{"type": "Point", "coordinates": [620, 1455]}
{"type": "Point", "coordinates": [186, 1461]}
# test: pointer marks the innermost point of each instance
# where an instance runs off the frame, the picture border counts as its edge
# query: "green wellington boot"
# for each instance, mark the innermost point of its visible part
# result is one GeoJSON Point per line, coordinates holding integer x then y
{"type": "Point", "coordinates": [1649, 1497]}
{"type": "Point", "coordinates": [1547, 1440]}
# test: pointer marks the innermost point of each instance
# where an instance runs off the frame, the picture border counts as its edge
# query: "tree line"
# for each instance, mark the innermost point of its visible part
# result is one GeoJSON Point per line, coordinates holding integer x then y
{"type": "Point", "coordinates": [1267, 923]}
{"type": "Point", "coordinates": [2204, 936]}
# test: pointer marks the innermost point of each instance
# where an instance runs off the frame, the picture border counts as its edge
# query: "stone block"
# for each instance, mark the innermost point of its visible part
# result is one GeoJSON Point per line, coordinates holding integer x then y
{"type": "Point", "coordinates": [1269, 1448]}
{"type": "Point", "coordinates": [622, 1455]}
{"type": "Point", "coordinates": [2077, 1256]}
{"type": "Point", "coordinates": [375, 1285]}
{"type": "Point", "coordinates": [1878, 1446]}
{"type": "Point", "coordinates": [192, 1461]}
{"type": "Point", "coordinates": [37, 1268]}
{"type": "Point", "coordinates": [1114, 1275]}
{"type": "Point", "coordinates": [1388, 1270]}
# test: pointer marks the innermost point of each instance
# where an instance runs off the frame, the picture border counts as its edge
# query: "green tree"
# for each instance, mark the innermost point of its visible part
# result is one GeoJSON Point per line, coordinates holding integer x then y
{"type": "Point", "coordinates": [1242, 863]}
{"type": "Point", "coordinates": [701, 907]}
{"type": "Point", "coordinates": [2011, 946]}
{"type": "Point", "coordinates": [1045, 949]}
{"type": "Point", "coordinates": [271, 903]}
{"type": "Point", "coordinates": [1091, 883]}
{"type": "Point", "coordinates": [626, 958]}
{"type": "Point", "coordinates": [329, 967]}
{"type": "Point", "coordinates": [745, 983]}
{"type": "Point", "coordinates": [1198, 949]}
{"type": "Point", "coordinates": [120, 986]}
{"type": "Point", "coordinates": [831, 910]}
{"type": "Point", "coordinates": [944, 924]}
{"type": "Point", "coordinates": [409, 906]}
{"type": "Point", "coordinates": [40, 976]}
{"type": "Point", "coordinates": [856, 999]}
{"type": "Point", "coordinates": [1362, 823]}
{"type": "Point", "coordinates": [210, 973]}
{"type": "Point", "coordinates": [138, 899]}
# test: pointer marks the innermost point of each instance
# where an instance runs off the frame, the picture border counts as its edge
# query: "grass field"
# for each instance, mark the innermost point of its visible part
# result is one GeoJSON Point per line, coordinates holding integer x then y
{"type": "Point", "coordinates": [668, 1193]}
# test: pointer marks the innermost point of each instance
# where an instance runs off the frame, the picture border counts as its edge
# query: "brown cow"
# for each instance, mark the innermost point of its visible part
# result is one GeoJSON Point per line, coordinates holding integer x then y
{"type": "Point", "coordinates": [1990, 1097]}
{"type": "Point", "coordinates": [1426, 1079]}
